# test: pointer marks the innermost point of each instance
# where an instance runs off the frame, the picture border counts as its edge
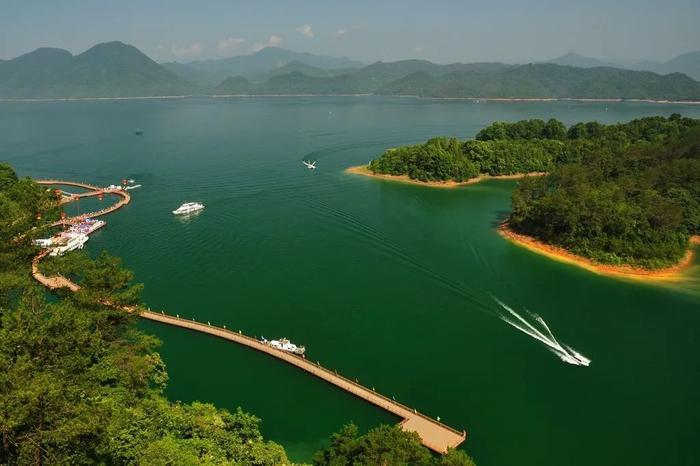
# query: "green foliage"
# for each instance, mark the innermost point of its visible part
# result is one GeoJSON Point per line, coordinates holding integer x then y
{"type": "Point", "coordinates": [79, 384]}
{"type": "Point", "coordinates": [524, 147]}
{"type": "Point", "coordinates": [632, 202]}
{"type": "Point", "coordinates": [439, 159]}
{"type": "Point", "coordinates": [384, 445]}
{"type": "Point", "coordinates": [456, 458]}
{"type": "Point", "coordinates": [443, 159]}
{"type": "Point", "coordinates": [20, 202]}
{"type": "Point", "coordinates": [649, 129]}
{"type": "Point", "coordinates": [524, 129]}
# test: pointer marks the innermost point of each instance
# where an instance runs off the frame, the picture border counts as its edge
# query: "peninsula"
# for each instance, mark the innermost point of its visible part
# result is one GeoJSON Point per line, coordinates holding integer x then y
{"type": "Point", "coordinates": [620, 199]}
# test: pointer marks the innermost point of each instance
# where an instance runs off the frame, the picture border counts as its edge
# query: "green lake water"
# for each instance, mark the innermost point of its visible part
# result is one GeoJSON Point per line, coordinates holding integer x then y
{"type": "Point", "coordinates": [390, 283]}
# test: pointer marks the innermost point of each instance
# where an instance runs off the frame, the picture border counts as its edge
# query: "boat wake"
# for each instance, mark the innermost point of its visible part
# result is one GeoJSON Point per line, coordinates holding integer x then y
{"type": "Point", "coordinates": [543, 334]}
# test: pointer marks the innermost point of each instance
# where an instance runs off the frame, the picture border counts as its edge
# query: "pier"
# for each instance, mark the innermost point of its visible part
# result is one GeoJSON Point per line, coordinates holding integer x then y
{"type": "Point", "coordinates": [434, 434]}
{"type": "Point", "coordinates": [93, 191]}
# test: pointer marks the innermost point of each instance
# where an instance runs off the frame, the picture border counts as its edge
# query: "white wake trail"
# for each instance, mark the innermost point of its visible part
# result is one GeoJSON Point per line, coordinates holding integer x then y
{"type": "Point", "coordinates": [564, 352]}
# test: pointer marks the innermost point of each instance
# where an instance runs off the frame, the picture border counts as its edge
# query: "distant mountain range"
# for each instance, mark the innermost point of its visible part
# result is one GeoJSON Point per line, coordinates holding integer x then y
{"type": "Point", "coordinates": [531, 81]}
{"type": "Point", "coordinates": [688, 63]}
{"type": "Point", "coordinates": [112, 69]}
{"type": "Point", "coordinates": [115, 69]}
{"type": "Point", "coordinates": [260, 65]}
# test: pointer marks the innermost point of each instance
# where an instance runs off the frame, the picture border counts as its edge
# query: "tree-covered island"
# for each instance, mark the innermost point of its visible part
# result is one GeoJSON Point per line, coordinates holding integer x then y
{"type": "Point", "coordinates": [625, 194]}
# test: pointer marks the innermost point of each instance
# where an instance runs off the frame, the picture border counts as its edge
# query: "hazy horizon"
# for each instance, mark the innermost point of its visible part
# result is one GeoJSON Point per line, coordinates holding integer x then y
{"type": "Point", "coordinates": [443, 32]}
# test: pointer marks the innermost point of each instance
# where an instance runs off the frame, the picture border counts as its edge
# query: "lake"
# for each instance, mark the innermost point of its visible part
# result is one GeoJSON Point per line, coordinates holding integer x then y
{"type": "Point", "coordinates": [393, 284]}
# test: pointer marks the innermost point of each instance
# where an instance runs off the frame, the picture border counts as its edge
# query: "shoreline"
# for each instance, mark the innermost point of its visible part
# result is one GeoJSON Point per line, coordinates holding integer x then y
{"type": "Point", "coordinates": [364, 171]}
{"type": "Point", "coordinates": [672, 273]}
{"type": "Point", "coordinates": [406, 96]}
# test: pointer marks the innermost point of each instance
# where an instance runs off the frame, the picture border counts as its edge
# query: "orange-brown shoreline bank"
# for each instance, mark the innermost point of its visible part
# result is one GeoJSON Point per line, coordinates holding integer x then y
{"type": "Point", "coordinates": [365, 171]}
{"type": "Point", "coordinates": [672, 273]}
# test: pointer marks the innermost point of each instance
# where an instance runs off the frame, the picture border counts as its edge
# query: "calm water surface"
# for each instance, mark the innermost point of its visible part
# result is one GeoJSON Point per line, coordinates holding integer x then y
{"type": "Point", "coordinates": [389, 283]}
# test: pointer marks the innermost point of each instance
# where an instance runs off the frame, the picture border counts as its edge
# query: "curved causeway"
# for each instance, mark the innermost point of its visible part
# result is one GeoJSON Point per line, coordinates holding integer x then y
{"type": "Point", "coordinates": [94, 191]}
{"type": "Point", "coordinates": [434, 434]}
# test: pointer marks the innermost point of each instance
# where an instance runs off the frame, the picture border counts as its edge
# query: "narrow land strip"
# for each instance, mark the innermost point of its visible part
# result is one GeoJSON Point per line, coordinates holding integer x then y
{"type": "Point", "coordinates": [365, 171]}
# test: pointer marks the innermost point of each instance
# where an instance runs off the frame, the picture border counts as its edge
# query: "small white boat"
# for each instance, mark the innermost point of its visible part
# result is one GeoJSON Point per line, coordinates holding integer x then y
{"type": "Point", "coordinates": [134, 186]}
{"type": "Point", "coordinates": [188, 208]}
{"type": "Point", "coordinates": [285, 345]}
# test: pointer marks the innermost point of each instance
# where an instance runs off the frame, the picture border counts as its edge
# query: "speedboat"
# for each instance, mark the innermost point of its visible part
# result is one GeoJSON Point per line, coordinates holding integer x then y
{"type": "Point", "coordinates": [188, 208]}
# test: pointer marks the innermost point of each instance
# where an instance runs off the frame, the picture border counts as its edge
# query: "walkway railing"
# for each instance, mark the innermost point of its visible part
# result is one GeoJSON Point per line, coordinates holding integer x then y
{"type": "Point", "coordinates": [125, 199]}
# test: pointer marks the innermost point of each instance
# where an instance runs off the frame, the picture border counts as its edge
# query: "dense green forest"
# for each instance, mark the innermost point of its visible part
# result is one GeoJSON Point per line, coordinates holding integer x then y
{"type": "Point", "coordinates": [448, 159]}
{"type": "Point", "coordinates": [80, 384]}
{"type": "Point", "coordinates": [384, 445]}
{"type": "Point", "coordinates": [632, 195]}
{"type": "Point", "coordinates": [626, 193]}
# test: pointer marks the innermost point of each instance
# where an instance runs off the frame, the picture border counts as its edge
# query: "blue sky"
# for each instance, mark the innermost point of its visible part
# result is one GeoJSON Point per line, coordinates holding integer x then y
{"type": "Point", "coordinates": [439, 30]}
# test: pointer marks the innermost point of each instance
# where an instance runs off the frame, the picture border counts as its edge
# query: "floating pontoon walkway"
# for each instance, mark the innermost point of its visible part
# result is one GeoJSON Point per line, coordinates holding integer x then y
{"type": "Point", "coordinates": [434, 434]}
{"type": "Point", "coordinates": [94, 191]}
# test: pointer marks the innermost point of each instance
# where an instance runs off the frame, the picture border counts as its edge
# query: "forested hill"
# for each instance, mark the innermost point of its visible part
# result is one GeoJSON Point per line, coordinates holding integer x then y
{"type": "Point", "coordinates": [626, 193]}
{"type": "Point", "coordinates": [114, 69]}
{"type": "Point", "coordinates": [523, 147]}
{"type": "Point", "coordinates": [533, 81]}
{"type": "Point", "coordinates": [111, 69]}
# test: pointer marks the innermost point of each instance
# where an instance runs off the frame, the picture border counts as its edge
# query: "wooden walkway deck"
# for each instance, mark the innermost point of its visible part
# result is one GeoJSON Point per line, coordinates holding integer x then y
{"type": "Point", "coordinates": [434, 434]}
{"type": "Point", "coordinates": [94, 191]}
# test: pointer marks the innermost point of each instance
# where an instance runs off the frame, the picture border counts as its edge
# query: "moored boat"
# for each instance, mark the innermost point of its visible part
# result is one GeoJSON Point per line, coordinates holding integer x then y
{"type": "Point", "coordinates": [285, 345]}
{"type": "Point", "coordinates": [73, 242]}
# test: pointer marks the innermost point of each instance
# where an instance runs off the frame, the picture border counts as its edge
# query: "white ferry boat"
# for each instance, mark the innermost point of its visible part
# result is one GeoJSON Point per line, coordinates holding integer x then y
{"type": "Point", "coordinates": [285, 345]}
{"type": "Point", "coordinates": [188, 208]}
{"type": "Point", "coordinates": [74, 242]}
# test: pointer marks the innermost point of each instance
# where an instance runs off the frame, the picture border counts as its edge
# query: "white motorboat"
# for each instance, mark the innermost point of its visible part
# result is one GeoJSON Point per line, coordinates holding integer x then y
{"type": "Point", "coordinates": [188, 208]}
{"type": "Point", "coordinates": [285, 345]}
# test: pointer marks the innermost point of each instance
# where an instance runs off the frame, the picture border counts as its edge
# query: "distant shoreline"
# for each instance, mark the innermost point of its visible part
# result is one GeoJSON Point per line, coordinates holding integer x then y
{"type": "Point", "coordinates": [473, 99]}
{"type": "Point", "coordinates": [72, 99]}
{"type": "Point", "coordinates": [364, 171]}
{"type": "Point", "coordinates": [672, 273]}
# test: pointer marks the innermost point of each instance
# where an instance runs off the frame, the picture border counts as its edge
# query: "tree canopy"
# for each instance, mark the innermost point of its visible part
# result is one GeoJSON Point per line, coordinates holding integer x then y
{"type": "Point", "coordinates": [634, 204]}
{"type": "Point", "coordinates": [386, 446]}
{"type": "Point", "coordinates": [522, 147]}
